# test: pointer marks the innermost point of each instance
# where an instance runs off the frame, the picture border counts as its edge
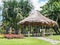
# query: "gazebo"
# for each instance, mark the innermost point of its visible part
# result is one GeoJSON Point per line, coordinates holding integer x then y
{"type": "Point", "coordinates": [37, 19]}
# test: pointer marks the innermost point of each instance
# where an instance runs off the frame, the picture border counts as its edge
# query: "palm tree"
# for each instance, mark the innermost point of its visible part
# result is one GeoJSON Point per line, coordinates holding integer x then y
{"type": "Point", "coordinates": [52, 9]}
{"type": "Point", "coordinates": [15, 11]}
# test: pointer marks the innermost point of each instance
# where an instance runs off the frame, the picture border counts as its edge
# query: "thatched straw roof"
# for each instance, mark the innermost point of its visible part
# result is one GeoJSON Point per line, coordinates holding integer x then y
{"type": "Point", "coordinates": [36, 18]}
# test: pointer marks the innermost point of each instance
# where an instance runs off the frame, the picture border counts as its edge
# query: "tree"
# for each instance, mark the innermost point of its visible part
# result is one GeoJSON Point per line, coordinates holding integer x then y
{"type": "Point", "coordinates": [52, 10]}
{"type": "Point", "coordinates": [13, 12]}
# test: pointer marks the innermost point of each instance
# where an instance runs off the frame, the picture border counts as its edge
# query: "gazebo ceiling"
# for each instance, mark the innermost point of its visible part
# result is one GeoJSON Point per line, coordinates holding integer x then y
{"type": "Point", "coordinates": [36, 18]}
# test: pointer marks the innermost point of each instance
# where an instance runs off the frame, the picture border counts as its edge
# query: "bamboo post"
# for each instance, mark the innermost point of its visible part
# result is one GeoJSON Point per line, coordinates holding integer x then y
{"type": "Point", "coordinates": [29, 28]}
{"type": "Point", "coordinates": [43, 32]}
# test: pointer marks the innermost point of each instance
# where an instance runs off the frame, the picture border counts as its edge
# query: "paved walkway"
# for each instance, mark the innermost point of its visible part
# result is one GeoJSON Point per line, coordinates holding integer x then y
{"type": "Point", "coordinates": [49, 40]}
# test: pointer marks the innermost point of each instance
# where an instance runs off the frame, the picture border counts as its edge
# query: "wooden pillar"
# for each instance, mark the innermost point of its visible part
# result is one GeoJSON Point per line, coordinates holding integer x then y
{"type": "Point", "coordinates": [43, 32]}
{"type": "Point", "coordinates": [35, 30]}
{"type": "Point", "coordinates": [29, 28]}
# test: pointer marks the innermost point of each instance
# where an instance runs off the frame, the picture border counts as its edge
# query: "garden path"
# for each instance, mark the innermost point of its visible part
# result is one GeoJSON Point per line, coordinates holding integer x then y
{"type": "Point", "coordinates": [49, 40]}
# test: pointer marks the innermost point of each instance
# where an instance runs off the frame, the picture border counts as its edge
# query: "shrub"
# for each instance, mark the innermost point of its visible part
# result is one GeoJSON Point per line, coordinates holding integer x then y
{"type": "Point", "coordinates": [18, 36]}
{"type": "Point", "coordinates": [11, 36]}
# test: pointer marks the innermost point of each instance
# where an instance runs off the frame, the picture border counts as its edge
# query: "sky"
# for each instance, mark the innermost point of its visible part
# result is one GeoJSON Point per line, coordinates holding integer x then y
{"type": "Point", "coordinates": [36, 3]}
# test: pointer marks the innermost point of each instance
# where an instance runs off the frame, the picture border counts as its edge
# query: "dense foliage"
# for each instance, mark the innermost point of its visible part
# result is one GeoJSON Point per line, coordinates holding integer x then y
{"type": "Point", "coordinates": [13, 12]}
{"type": "Point", "coordinates": [52, 10]}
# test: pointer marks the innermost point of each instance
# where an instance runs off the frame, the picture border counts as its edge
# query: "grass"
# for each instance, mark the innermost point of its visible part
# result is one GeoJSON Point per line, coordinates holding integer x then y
{"type": "Point", "coordinates": [25, 41]}
{"type": "Point", "coordinates": [1, 36]}
{"type": "Point", "coordinates": [58, 44]}
{"type": "Point", "coordinates": [55, 37]}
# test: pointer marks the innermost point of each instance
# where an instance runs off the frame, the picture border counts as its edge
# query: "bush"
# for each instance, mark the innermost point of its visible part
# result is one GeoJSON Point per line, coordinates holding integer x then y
{"type": "Point", "coordinates": [11, 36]}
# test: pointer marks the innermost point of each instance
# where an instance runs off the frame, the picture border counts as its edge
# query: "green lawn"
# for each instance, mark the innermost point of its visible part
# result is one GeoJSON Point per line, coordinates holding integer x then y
{"type": "Point", "coordinates": [58, 44]}
{"type": "Point", "coordinates": [25, 41]}
{"type": "Point", "coordinates": [55, 37]}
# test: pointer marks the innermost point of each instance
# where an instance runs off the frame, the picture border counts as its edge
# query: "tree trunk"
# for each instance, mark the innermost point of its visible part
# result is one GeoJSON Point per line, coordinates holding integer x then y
{"type": "Point", "coordinates": [7, 30]}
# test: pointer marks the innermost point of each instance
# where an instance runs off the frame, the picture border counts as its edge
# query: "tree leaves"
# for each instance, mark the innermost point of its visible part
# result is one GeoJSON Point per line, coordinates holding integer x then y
{"type": "Point", "coordinates": [52, 10]}
{"type": "Point", "coordinates": [15, 11]}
